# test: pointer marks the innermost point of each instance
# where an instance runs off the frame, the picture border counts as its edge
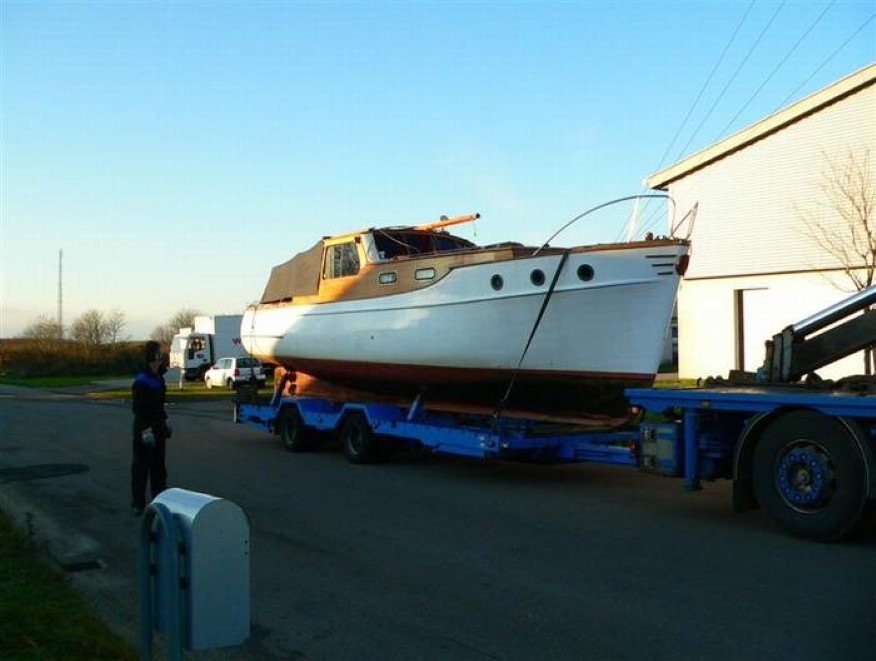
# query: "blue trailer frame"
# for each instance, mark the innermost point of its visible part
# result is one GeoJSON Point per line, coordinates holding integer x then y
{"type": "Point", "coordinates": [465, 434]}
{"type": "Point", "coordinates": [823, 474]}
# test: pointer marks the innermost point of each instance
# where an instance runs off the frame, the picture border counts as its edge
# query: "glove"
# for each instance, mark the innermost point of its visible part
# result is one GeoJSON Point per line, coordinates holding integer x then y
{"type": "Point", "coordinates": [147, 437]}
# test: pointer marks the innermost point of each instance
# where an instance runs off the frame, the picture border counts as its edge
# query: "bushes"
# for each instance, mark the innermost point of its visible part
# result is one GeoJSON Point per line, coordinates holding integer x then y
{"type": "Point", "coordinates": [40, 357]}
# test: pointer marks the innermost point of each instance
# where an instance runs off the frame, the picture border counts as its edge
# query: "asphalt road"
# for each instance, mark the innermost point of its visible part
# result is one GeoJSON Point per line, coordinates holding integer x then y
{"type": "Point", "coordinates": [429, 557]}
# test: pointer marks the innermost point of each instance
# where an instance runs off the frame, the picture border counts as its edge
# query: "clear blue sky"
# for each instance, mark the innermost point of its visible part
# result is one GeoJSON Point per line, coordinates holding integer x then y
{"type": "Point", "coordinates": [176, 151]}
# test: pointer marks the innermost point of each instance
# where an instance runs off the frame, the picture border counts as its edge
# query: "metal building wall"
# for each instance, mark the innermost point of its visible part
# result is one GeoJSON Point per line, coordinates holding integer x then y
{"type": "Point", "coordinates": [750, 236]}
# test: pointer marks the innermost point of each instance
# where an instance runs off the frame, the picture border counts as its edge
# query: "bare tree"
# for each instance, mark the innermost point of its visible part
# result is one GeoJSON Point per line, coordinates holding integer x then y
{"type": "Point", "coordinates": [182, 319]}
{"type": "Point", "coordinates": [44, 330]}
{"type": "Point", "coordinates": [89, 329]}
{"type": "Point", "coordinates": [163, 334]}
{"type": "Point", "coordinates": [844, 223]}
{"type": "Point", "coordinates": [115, 322]}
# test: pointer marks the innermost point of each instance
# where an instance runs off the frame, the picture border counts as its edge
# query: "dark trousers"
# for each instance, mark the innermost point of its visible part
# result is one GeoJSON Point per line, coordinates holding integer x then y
{"type": "Point", "coordinates": [147, 466]}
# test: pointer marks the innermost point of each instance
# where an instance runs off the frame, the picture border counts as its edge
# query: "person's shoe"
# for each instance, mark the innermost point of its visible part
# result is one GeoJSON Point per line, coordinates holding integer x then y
{"type": "Point", "coordinates": [137, 511]}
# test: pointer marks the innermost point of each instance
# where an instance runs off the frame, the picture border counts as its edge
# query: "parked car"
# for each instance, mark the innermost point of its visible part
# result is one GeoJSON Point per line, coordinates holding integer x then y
{"type": "Point", "coordinates": [233, 372]}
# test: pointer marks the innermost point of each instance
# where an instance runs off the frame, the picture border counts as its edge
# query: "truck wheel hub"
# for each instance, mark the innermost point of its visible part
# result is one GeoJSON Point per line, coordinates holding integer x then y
{"type": "Point", "coordinates": [805, 477]}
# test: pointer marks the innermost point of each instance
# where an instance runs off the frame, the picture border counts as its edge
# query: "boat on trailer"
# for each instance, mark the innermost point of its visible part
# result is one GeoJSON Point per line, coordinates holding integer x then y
{"type": "Point", "coordinates": [398, 312]}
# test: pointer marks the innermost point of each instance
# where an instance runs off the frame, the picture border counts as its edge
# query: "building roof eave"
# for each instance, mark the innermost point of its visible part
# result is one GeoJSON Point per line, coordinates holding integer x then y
{"type": "Point", "coordinates": [795, 112]}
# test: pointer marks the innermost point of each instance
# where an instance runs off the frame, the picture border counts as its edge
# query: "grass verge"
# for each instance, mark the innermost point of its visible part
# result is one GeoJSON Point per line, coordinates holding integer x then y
{"type": "Point", "coordinates": [191, 390]}
{"type": "Point", "coordinates": [41, 615]}
{"type": "Point", "coordinates": [64, 381]}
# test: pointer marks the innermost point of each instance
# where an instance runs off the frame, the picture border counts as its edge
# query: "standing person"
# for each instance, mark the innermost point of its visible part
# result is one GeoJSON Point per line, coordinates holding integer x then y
{"type": "Point", "coordinates": [151, 430]}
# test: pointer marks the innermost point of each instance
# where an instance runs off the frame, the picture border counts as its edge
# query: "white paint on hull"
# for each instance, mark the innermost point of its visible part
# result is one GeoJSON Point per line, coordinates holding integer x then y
{"type": "Point", "coordinates": [613, 324]}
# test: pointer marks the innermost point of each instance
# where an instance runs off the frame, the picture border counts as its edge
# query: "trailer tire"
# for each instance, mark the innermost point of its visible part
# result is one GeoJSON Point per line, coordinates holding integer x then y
{"type": "Point", "coordinates": [358, 441]}
{"type": "Point", "coordinates": [296, 436]}
{"type": "Point", "coordinates": [809, 475]}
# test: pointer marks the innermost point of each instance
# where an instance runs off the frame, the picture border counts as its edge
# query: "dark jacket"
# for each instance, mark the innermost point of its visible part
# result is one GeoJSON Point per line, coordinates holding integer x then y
{"type": "Point", "coordinates": [147, 401]}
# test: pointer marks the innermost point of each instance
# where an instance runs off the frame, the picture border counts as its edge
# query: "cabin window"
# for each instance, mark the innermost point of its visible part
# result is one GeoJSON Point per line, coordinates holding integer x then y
{"type": "Point", "coordinates": [424, 274]}
{"type": "Point", "coordinates": [341, 260]}
{"type": "Point", "coordinates": [395, 243]}
{"type": "Point", "coordinates": [585, 272]}
{"type": "Point", "coordinates": [446, 243]}
{"type": "Point", "coordinates": [387, 278]}
{"type": "Point", "coordinates": [195, 344]}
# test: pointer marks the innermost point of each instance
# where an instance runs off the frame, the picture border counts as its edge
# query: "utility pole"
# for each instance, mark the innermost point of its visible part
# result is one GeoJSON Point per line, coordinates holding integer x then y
{"type": "Point", "coordinates": [61, 294]}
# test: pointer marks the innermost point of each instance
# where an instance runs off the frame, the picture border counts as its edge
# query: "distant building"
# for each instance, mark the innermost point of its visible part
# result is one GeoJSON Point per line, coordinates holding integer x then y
{"type": "Point", "coordinates": [755, 268]}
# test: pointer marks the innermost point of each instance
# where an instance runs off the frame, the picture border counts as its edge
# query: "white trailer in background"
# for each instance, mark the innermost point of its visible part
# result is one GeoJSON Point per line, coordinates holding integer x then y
{"type": "Point", "coordinates": [211, 337]}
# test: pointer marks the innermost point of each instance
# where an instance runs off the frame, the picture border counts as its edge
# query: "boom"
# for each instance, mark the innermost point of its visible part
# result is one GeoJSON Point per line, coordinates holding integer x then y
{"type": "Point", "coordinates": [807, 346]}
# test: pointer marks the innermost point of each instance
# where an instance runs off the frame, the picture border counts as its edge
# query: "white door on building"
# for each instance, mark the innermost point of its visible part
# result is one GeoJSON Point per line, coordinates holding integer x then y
{"type": "Point", "coordinates": [755, 321]}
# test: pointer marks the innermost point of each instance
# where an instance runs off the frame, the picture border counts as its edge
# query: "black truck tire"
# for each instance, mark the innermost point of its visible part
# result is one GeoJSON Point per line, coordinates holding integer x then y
{"type": "Point", "coordinates": [809, 475]}
{"type": "Point", "coordinates": [296, 436]}
{"type": "Point", "coordinates": [358, 441]}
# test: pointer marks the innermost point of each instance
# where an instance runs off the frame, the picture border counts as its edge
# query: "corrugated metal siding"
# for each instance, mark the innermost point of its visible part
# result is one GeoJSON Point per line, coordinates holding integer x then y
{"type": "Point", "coordinates": [751, 203]}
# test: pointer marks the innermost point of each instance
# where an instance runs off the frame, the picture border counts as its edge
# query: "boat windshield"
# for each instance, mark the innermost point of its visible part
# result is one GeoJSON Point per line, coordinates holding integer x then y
{"type": "Point", "coordinates": [397, 243]}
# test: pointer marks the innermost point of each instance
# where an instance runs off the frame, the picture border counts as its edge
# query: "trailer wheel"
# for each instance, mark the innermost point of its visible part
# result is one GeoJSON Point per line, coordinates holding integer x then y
{"type": "Point", "coordinates": [358, 440]}
{"type": "Point", "coordinates": [296, 436]}
{"type": "Point", "coordinates": [809, 476]}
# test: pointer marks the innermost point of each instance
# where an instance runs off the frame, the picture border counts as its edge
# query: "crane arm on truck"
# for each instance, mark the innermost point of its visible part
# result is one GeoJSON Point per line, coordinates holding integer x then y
{"type": "Point", "coordinates": [810, 344]}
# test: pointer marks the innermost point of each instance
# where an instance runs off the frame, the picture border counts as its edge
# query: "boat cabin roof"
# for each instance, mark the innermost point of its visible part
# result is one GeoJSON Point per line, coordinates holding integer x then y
{"type": "Point", "coordinates": [300, 275]}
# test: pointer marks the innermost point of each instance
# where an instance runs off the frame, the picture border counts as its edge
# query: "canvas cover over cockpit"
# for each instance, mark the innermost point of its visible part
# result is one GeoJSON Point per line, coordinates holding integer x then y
{"type": "Point", "coordinates": [300, 276]}
{"type": "Point", "coordinates": [297, 277]}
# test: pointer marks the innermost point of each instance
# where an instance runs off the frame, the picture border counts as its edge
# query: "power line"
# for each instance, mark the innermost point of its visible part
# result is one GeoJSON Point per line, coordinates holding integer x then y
{"type": "Point", "coordinates": [706, 84]}
{"type": "Point", "coordinates": [733, 77]}
{"type": "Point", "coordinates": [826, 61]}
{"type": "Point", "coordinates": [693, 106]}
{"type": "Point", "coordinates": [751, 50]}
{"type": "Point", "coordinates": [777, 67]}
{"type": "Point", "coordinates": [654, 216]}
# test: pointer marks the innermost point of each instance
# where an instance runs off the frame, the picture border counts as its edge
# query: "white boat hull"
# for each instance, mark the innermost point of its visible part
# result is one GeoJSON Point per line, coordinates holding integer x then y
{"type": "Point", "coordinates": [460, 330]}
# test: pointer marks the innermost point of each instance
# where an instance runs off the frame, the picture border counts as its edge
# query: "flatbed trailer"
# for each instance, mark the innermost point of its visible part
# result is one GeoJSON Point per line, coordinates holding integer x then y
{"type": "Point", "coordinates": [807, 457]}
{"type": "Point", "coordinates": [367, 429]}
{"type": "Point", "coordinates": [803, 451]}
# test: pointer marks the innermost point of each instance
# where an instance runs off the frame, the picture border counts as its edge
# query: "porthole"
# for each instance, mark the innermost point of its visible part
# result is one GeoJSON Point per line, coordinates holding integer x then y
{"type": "Point", "coordinates": [585, 272]}
{"type": "Point", "coordinates": [424, 274]}
{"type": "Point", "coordinates": [387, 278]}
{"type": "Point", "coordinates": [496, 282]}
{"type": "Point", "coordinates": [537, 277]}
